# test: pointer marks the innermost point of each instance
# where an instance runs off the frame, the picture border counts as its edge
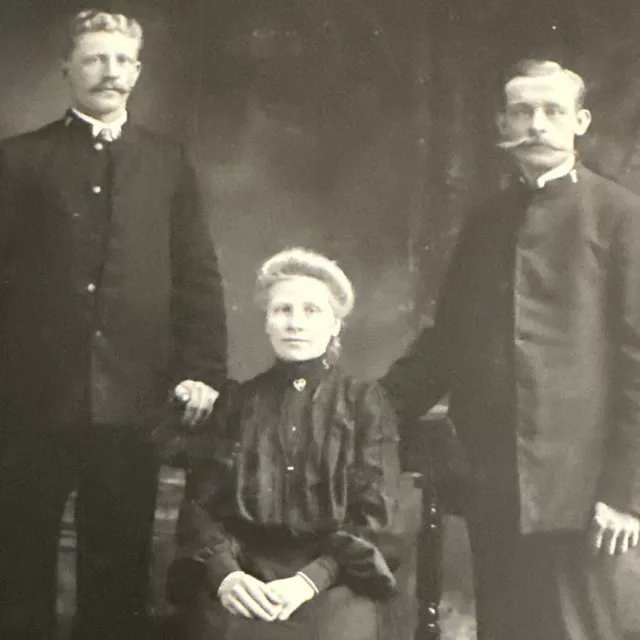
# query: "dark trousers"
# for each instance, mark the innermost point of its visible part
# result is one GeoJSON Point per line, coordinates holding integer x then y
{"type": "Point", "coordinates": [114, 471]}
{"type": "Point", "coordinates": [543, 586]}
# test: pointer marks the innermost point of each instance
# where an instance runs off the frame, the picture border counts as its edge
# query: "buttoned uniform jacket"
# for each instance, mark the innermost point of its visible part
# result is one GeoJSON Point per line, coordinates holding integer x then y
{"type": "Point", "coordinates": [537, 340]}
{"type": "Point", "coordinates": [110, 289]}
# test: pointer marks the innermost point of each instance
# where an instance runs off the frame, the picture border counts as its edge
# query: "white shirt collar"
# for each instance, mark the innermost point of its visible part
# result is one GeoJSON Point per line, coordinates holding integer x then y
{"type": "Point", "coordinates": [557, 172]}
{"type": "Point", "coordinates": [97, 125]}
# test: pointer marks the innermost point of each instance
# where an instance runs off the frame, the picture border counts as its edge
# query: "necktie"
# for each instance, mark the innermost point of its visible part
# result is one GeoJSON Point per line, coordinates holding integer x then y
{"type": "Point", "coordinates": [105, 135]}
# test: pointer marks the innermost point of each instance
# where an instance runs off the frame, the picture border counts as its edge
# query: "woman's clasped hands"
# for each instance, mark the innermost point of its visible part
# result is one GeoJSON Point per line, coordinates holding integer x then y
{"type": "Point", "coordinates": [243, 595]}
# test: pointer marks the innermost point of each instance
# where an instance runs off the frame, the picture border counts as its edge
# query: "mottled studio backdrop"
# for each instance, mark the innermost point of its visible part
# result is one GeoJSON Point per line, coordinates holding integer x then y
{"type": "Point", "coordinates": [360, 128]}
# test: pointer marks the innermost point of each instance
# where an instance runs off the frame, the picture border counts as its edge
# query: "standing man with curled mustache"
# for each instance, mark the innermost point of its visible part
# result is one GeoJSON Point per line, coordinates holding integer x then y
{"type": "Point", "coordinates": [111, 298]}
{"type": "Point", "coordinates": [536, 340]}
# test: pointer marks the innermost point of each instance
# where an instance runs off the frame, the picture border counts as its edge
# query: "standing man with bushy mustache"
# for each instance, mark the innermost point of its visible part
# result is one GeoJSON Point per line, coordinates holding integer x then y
{"type": "Point", "coordinates": [536, 340]}
{"type": "Point", "coordinates": [110, 297]}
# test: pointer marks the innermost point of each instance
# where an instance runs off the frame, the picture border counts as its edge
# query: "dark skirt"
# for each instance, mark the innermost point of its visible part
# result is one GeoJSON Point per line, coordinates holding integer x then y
{"type": "Point", "coordinates": [335, 614]}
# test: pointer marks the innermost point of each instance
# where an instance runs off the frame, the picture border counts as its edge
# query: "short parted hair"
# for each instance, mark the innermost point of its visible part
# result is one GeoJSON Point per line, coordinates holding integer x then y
{"type": "Point", "coordinates": [299, 262]}
{"type": "Point", "coordinates": [532, 68]}
{"type": "Point", "coordinates": [94, 21]}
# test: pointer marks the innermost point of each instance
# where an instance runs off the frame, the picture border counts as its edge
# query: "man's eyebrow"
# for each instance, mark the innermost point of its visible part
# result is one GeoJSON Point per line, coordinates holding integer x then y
{"type": "Point", "coordinates": [119, 54]}
{"type": "Point", "coordinates": [529, 103]}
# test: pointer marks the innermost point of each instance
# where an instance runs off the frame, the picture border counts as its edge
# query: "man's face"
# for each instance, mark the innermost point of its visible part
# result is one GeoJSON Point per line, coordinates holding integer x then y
{"type": "Point", "coordinates": [102, 70]}
{"type": "Point", "coordinates": [541, 120]}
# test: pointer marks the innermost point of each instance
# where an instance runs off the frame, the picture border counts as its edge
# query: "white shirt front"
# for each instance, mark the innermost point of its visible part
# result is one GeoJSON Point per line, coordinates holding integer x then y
{"type": "Point", "coordinates": [115, 127]}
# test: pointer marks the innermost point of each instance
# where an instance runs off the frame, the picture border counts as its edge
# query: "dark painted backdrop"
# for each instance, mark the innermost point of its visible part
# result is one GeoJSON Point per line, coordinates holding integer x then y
{"type": "Point", "coordinates": [306, 120]}
{"type": "Point", "coordinates": [361, 128]}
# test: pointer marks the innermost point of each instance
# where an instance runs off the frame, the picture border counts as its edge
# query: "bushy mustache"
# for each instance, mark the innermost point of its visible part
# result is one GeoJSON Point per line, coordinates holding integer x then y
{"type": "Point", "coordinates": [527, 141]}
{"type": "Point", "coordinates": [109, 86]}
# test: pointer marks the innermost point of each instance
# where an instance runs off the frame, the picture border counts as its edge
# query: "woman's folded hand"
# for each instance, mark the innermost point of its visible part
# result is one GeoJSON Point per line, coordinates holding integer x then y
{"type": "Point", "coordinates": [293, 593]}
{"type": "Point", "coordinates": [243, 595]}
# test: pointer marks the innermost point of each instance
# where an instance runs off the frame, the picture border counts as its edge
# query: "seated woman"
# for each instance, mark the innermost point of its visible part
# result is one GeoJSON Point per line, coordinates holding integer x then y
{"type": "Point", "coordinates": [292, 517]}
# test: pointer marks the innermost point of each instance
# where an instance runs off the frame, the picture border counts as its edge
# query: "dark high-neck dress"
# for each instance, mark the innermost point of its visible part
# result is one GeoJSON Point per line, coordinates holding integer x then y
{"type": "Point", "coordinates": [303, 475]}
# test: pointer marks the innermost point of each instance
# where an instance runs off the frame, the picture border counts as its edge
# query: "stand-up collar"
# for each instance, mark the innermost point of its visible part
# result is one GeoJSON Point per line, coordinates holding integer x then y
{"type": "Point", "coordinates": [563, 170]}
{"type": "Point", "coordinates": [311, 371]}
{"type": "Point", "coordinates": [97, 126]}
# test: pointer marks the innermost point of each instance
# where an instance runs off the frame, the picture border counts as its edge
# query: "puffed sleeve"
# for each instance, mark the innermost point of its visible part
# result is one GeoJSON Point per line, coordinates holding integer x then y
{"type": "Point", "coordinates": [205, 552]}
{"type": "Point", "coordinates": [368, 547]}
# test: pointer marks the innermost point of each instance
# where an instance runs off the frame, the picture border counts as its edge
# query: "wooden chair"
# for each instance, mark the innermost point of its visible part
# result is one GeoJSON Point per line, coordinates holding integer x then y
{"type": "Point", "coordinates": [430, 453]}
{"type": "Point", "coordinates": [413, 615]}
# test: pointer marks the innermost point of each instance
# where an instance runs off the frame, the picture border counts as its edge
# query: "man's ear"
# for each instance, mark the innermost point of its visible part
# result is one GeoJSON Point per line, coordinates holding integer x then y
{"type": "Point", "coordinates": [501, 123]}
{"type": "Point", "coordinates": [583, 120]}
{"type": "Point", "coordinates": [138, 72]}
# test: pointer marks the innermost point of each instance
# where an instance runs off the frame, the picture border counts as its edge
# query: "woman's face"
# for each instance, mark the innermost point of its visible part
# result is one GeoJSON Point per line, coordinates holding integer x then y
{"type": "Point", "coordinates": [300, 320]}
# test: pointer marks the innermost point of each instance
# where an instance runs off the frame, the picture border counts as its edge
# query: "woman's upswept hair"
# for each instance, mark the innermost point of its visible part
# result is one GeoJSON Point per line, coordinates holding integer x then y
{"type": "Point", "coordinates": [94, 21]}
{"type": "Point", "coordinates": [298, 261]}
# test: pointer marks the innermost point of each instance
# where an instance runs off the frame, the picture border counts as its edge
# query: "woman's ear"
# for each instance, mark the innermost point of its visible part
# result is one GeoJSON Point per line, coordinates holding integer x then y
{"type": "Point", "coordinates": [338, 327]}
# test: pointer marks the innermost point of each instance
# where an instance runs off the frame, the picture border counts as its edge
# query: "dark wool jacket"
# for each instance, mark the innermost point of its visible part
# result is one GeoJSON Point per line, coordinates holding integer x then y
{"type": "Point", "coordinates": [298, 479]}
{"type": "Point", "coordinates": [537, 339]}
{"type": "Point", "coordinates": [110, 291]}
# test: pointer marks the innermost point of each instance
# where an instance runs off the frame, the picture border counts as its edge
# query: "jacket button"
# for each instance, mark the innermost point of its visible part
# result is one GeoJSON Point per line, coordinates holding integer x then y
{"type": "Point", "coordinates": [91, 287]}
{"type": "Point", "coordinates": [96, 189]}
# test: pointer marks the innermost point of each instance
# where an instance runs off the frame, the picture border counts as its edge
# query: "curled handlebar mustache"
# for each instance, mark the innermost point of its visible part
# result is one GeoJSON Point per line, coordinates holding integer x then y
{"type": "Point", "coordinates": [526, 141]}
